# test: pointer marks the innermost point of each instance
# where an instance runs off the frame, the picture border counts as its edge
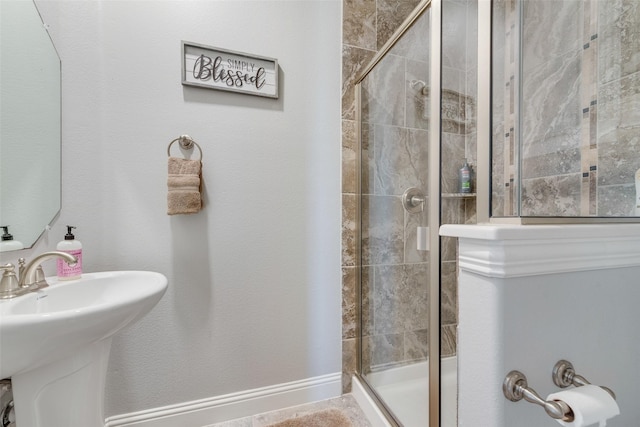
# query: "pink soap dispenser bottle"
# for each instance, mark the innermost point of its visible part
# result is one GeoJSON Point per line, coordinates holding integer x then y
{"type": "Point", "coordinates": [71, 246]}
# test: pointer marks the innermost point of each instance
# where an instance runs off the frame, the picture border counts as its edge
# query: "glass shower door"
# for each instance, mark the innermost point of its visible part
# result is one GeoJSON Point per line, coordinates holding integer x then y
{"type": "Point", "coordinates": [394, 135]}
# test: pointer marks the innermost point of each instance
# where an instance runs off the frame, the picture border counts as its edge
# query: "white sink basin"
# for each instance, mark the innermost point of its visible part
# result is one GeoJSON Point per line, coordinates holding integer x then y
{"type": "Point", "coordinates": [65, 329]}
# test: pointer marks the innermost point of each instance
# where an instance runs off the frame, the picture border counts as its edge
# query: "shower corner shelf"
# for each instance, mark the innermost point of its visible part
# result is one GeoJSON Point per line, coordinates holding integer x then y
{"type": "Point", "coordinates": [458, 195]}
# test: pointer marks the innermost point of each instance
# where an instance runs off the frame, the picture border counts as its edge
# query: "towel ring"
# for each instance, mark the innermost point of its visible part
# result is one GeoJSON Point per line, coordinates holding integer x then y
{"type": "Point", "coordinates": [186, 142]}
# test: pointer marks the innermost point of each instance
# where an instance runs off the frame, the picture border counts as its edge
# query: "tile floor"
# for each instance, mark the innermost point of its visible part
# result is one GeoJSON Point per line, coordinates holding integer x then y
{"type": "Point", "coordinates": [346, 403]}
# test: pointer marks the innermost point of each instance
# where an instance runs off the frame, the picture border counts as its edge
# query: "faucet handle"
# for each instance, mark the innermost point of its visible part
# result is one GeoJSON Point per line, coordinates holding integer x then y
{"type": "Point", "coordinates": [40, 278]}
{"type": "Point", "coordinates": [9, 286]}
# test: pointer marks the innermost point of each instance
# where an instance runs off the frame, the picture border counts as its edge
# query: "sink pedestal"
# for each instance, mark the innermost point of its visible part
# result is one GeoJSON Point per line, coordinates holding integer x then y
{"type": "Point", "coordinates": [67, 392]}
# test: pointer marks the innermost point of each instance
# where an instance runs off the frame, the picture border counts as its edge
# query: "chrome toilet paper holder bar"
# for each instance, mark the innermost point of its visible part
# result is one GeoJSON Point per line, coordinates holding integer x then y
{"type": "Point", "coordinates": [564, 376]}
{"type": "Point", "coordinates": [515, 388]}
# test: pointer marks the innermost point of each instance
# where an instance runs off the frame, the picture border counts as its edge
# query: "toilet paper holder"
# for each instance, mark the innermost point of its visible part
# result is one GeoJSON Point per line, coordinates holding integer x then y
{"type": "Point", "coordinates": [564, 376]}
{"type": "Point", "coordinates": [515, 388]}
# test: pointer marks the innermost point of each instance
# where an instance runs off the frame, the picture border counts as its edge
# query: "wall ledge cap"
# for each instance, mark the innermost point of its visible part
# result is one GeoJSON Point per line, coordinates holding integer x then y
{"type": "Point", "coordinates": [505, 250]}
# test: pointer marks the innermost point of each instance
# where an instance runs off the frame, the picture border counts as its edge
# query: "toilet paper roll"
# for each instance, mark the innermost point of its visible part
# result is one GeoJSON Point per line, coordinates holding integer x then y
{"type": "Point", "coordinates": [590, 405]}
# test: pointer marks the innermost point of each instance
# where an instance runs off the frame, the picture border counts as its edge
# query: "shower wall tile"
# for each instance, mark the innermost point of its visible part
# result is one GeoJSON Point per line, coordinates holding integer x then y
{"type": "Point", "coordinates": [452, 211]}
{"type": "Point", "coordinates": [552, 30]}
{"type": "Point", "coordinates": [349, 310]}
{"type": "Point", "coordinates": [448, 293]}
{"type": "Point", "coordinates": [417, 99]}
{"type": "Point", "coordinates": [452, 159]}
{"type": "Point", "coordinates": [454, 18]}
{"type": "Point", "coordinates": [618, 123]}
{"type": "Point", "coordinates": [551, 115]}
{"type": "Point", "coordinates": [367, 159]}
{"type": "Point", "coordinates": [618, 160]}
{"type": "Point", "coordinates": [551, 196]}
{"type": "Point", "coordinates": [349, 230]}
{"type": "Point", "coordinates": [390, 15]}
{"type": "Point", "coordinates": [349, 147]}
{"type": "Point", "coordinates": [619, 38]}
{"type": "Point", "coordinates": [416, 345]}
{"type": "Point", "coordinates": [367, 298]}
{"type": "Point", "coordinates": [448, 248]}
{"type": "Point", "coordinates": [616, 200]}
{"type": "Point", "coordinates": [382, 230]}
{"type": "Point", "coordinates": [359, 23]}
{"type": "Point", "coordinates": [415, 44]}
{"type": "Point", "coordinates": [400, 298]}
{"type": "Point", "coordinates": [399, 160]}
{"type": "Point", "coordinates": [448, 340]}
{"type": "Point", "coordinates": [349, 363]}
{"type": "Point", "coordinates": [385, 92]}
{"type": "Point", "coordinates": [353, 62]}
{"type": "Point", "coordinates": [382, 350]}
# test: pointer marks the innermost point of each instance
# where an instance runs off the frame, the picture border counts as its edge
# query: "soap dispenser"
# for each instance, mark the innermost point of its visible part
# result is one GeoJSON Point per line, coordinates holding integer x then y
{"type": "Point", "coordinates": [71, 246]}
{"type": "Point", "coordinates": [464, 178]}
{"type": "Point", "coordinates": [7, 243]}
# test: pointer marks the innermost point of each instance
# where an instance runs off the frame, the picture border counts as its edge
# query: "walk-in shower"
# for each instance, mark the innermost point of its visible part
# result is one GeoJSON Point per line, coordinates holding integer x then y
{"type": "Point", "coordinates": [549, 90]}
{"type": "Point", "coordinates": [417, 128]}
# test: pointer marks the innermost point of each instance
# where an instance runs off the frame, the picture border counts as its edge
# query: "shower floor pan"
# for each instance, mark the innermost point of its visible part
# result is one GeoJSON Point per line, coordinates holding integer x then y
{"type": "Point", "coordinates": [405, 390]}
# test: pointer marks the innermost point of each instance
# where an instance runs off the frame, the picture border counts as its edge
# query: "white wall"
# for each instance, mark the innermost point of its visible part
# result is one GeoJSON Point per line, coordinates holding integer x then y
{"type": "Point", "coordinates": [533, 295]}
{"type": "Point", "coordinates": [254, 279]}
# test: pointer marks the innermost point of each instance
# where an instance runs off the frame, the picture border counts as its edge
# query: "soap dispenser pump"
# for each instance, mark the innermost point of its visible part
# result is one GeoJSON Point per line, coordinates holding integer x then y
{"type": "Point", "coordinates": [7, 243]}
{"type": "Point", "coordinates": [71, 246]}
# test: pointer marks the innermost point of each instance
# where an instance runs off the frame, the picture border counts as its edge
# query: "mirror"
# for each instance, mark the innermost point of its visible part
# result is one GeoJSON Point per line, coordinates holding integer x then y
{"type": "Point", "coordinates": [30, 128]}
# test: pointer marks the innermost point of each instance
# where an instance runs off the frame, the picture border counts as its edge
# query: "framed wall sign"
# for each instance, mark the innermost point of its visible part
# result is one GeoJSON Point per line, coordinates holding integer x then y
{"type": "Point", "coordinates": [214, 68]}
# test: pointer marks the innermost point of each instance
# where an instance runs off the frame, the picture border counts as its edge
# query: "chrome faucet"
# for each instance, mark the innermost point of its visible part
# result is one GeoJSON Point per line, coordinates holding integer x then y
{"type": "Point", "coordinates": [32, 276]}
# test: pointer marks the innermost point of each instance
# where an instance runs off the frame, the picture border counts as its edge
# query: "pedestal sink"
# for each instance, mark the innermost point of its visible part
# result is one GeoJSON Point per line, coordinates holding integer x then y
{"type": "Point", "coordinates": [54, 343]}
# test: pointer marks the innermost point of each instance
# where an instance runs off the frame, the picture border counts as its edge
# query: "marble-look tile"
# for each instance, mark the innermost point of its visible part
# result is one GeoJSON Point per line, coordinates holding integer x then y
{"type": "Point", "coordinates": [454, 23]}
{"type": "Point", "coordinates": [240, 422]}
{"type": "Point", "coordinates": [399, 160]}
{"type": "Point", "coordinates": [417, 102]}
{"type": "Point", "coordinates": [349, 155]}
{"type": "Point", "coordinates": [346, 404]}
{"type": "Point", "coordinates": [359, 23]}
{"type": "Point", "coordinates": [367, 277]}
{"type": "Point", "coordinates": [349, 309]}
{"type": "Point", "coordinates": [353, 62]}
{"type": "Point", "coordinates": [551, 196]}
{"type": "Point", "coordinates": [448, 340]}
{"type": "Point", "coordinates": [618, 38]}
{"type": "Point", "coordinates": [452, 159]}
{"type": "Point", "coordinates": [470, 211]}
{"type": "Point", "coordinates": [452, 211]}
{"type": "Point", "coordinates": [416, 345]}
{"type": "Point", "coordinates": [382, 230]}
{"type": "Point", "coordinates": [551, 30]}
{"type": "Point", "coordinates": [559, 162]}
{"type": "Point", "coordinates": [390, 15]}
{"type": "Point", "coordinates": [448, 248]}
{"type": "Point", "coordinates": [400, 298]}
{"type": "Point", "coordinates": [415, 43]}
{"type": "Point", "coordinates": [448, 293]}
{"type": "Point", "coordinates": [619, 160]}
{"type": "Point", "coordinates": [349, 363]}
{"type": "Point", "coordinates": [349, 229]}
{"type": "Point", "coordinates": [384, 350]}
{"type": "Point", "coordinates": [471, 35]}
{"type": "Point", "coordinates": [551, 115]}
{"type": "Point", "coordinates": [618, 122]}
{"type": "Point", "coordinates": [383, 95]}
{"type": "Point", "coordinates": [616, 200]}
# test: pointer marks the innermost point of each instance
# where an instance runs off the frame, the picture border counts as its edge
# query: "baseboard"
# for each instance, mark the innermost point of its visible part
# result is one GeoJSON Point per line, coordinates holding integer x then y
{"type": "Point", "coordinates": [217, 409]}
